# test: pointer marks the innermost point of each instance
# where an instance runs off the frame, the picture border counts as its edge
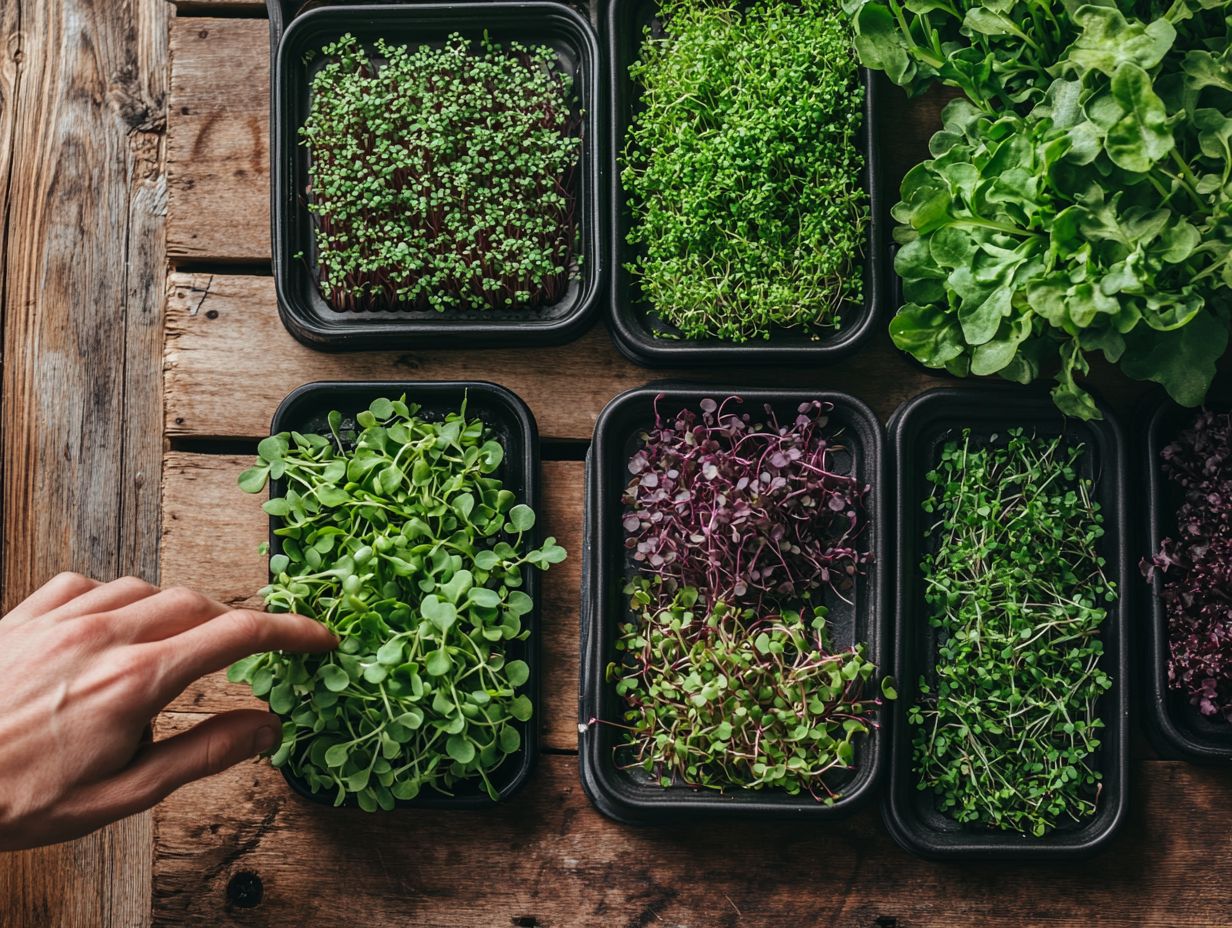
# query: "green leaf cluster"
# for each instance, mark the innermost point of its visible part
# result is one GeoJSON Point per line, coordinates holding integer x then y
{"type": "Point", "coordinates": [732, 700]}
{"type": "Point", "coordinates": [398, 534]}
{"type": "Point", "coordinates": [442, 177]}
{"type": "Point", "coordinates": [743, 169]}
{"type": "Point", "coordinates": [1006, 726]}
{"type": "Point", "coordinates": [1079, 198]}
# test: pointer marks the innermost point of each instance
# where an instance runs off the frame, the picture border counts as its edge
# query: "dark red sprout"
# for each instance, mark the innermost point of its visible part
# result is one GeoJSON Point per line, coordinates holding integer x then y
{"type": "Point", "coordinates": [752, 514]}
{"type": "Point", "coordinates": [1196, 565]}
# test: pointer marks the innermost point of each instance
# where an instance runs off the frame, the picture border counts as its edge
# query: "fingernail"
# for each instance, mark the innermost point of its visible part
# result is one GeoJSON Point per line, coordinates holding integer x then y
{"type": "Point", "coordinates": [266, 738]}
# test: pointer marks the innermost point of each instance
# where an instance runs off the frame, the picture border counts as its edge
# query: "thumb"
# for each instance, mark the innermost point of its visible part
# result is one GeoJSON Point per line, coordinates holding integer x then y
{"type": "Point", "coordinates": [207, 748]}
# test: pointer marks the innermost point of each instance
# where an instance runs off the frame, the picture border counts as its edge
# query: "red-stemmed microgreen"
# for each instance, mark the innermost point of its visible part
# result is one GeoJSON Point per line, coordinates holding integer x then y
{"type": "Point", "coordinates": [737, 530]}
{"type": "Point", "coordinates": [1196, 565]}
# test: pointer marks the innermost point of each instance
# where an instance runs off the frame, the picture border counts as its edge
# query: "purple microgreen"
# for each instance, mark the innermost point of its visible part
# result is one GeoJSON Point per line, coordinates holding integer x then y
{"type": "Point", "coordinates": [750, 513]}
{"type": "Point", "coordinates": [1196, 565]}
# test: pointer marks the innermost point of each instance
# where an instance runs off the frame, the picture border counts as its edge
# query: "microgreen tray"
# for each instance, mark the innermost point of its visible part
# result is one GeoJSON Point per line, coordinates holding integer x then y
{"type": "Point", "coordinates": [633, 324]}
{"type": "Point", "coordinates": [1176, 728]}
{"type": "Point", "coordinates": [294, 44]}
{"type": "Point", "coordinates": [917, 432]}
{"type": "Point", "coordinates": [512, 424]}
{"type": "Point", "coordinates": [634, 797]}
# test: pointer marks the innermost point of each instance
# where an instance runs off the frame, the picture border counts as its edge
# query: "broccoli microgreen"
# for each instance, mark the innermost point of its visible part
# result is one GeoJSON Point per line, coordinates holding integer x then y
{"type": "Point", "coordinates": [397, 533]}
{"type": "Point", "coordinates": [1006, 727]}
{"type": "Point", "coordinates": [743, 169]}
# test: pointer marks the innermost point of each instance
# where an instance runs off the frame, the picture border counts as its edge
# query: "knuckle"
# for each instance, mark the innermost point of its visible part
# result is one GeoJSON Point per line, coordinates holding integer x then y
{"type": "Point", "coordinates": [69, 581]}
{"type": "Point", "coordinates": [181, 598]}
{"type": "Point", "coordinates": [218, 750]}
{"type": "Point", "coordinates": [130, 677]}
{"type": "Point", "coordinates": [87, 631]}
{"type": "Point", "coordinates": [124, 795]}
{"type": "Point", "coordinates": [132, 585]}
{"type": "Point", "coordinates": [246, 625]}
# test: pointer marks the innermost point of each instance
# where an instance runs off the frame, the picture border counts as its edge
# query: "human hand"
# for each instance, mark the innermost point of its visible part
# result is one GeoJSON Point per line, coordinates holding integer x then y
{"type": "Point", "coordinates": [85, 666]}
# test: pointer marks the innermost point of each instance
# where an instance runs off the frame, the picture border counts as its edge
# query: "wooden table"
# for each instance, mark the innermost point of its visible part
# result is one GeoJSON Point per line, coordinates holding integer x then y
{"type": "Point", "coordinates": [184, 388]}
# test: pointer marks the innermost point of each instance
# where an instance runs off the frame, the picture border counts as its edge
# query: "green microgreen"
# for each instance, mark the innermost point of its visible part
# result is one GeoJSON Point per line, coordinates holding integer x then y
{"type": "Point", "coordinates": [731, 699]}
{"type": "Point", "coordinates": [1006, 727]}
{"type": "Point", "coordinates": [743, 169]}
{"type": "Point", "coordinates": [397, 532]}
{"type": "Point", "coordinates": [443, 177]}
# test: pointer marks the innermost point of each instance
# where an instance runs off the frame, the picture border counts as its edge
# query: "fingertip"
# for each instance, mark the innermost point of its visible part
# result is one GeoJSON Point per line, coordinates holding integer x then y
{"type": "Point", "coordinates": [323, 638]}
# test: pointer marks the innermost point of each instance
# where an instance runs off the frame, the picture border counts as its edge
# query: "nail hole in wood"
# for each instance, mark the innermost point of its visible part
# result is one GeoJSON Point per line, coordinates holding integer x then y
{"type": "Point", "coordinates": [245, 890]}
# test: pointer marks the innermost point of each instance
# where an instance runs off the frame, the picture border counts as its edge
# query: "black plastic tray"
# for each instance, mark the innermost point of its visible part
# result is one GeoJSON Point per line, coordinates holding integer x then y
{"type": "Point", "coordinates": [511, 423]}
{"type": "Point", "coordinates": [627, 796]}
{"type": "Point", "coordinates": [304, 311]}
{"type": "Point", "coordinates": [632, 323]}
{"type": "Point", "coordinates": [1175, 727]}
{"type": "Point", "coordinates": [917, 430]}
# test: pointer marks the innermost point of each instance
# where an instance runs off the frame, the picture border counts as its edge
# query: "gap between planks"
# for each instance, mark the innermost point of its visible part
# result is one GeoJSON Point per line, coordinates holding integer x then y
{"type": "Point", "coordinates": [229, 362]}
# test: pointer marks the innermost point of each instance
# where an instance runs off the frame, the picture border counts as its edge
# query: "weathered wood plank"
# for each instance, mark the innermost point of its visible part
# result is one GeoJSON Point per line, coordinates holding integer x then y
{"type": "Point", "coordinates": [220, 325]}
{"type": "Point", "coordinates": [11, 56]}
{"type": "Point", "coordinates": [208, 7]}
{"type": "Point", "coordinates": [548, 859]}
{"type": "Point", "coordinates": [82, 100]}
{"type": "Point", "coordinates": [209, 542]}
{"type": "Point", "coordinates": [218, 140]}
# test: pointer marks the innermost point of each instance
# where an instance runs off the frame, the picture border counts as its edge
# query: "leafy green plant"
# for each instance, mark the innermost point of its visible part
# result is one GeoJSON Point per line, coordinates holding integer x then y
{"type": "Point", "coordinates": [732, 699]}
{"type": "Point", "coordinates": [442, 178]}
{"type": "Point", "coordinates": [1079, 199]}
{"type": "Point", "coordinates": [743, 170]}
{"type": "Point", "coordinates": [1007, 722]}
{"type": "Point", "coordinates": [398, 534]}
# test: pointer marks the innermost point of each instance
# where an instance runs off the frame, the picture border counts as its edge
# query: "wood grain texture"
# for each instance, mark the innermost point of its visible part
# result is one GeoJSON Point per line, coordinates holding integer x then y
{"type": "Point", "coordinates": [220, 325]}
{"type": "Point", "coordinates": [210, 535]}
{"type": "Point", "coordinates": [209, 7]}
{"type": "Point", "coordinates": [548, 859]}
{"type": "Point", "coordinates": [11, 56]}
{"type": "Point", "coordinates": [82, 107]}
{"type": "Point", "coordinates": [218, 152]}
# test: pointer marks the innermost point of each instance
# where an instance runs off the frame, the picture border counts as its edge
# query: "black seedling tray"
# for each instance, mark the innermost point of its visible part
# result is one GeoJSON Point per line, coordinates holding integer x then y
{"type": "Point", "coordinates": [511, 423]}
{"type": "Point", "coordinates": [304, 310]}
{"type": "Point", "coordinates": [1176, 728]}
{"type": "Point", "coordinates": [633, 324]}
{"type": "Point", "coordinates": [633, 797]}
{"type": "Point", "coordinates": [917, 431]}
